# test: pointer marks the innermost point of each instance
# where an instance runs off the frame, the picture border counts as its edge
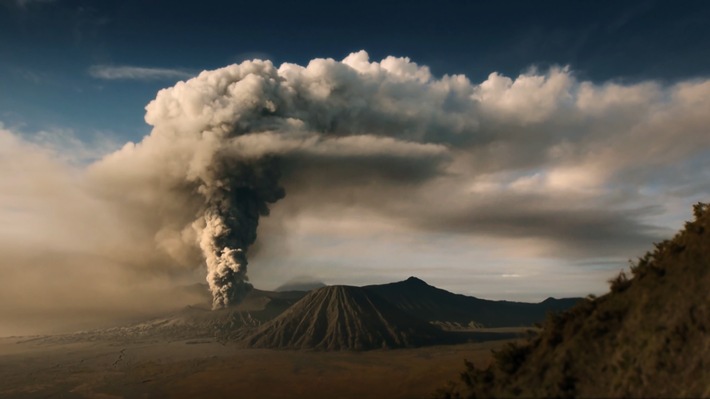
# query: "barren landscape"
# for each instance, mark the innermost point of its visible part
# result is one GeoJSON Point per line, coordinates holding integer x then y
{"type": "Point", "coordinates": [334, 341]}
{"type": "Point", "coordinates": [43, 368]}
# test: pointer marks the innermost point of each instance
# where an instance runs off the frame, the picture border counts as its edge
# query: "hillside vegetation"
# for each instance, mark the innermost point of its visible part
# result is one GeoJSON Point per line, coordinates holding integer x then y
{"type": "Point", "coordinates": [648, 337]}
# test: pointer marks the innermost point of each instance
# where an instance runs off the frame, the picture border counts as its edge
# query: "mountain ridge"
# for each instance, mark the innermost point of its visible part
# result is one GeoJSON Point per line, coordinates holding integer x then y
{"type": "Point", "coordinates": [434, 304]}
{"type": "Point", "coordinates": [427, 306]}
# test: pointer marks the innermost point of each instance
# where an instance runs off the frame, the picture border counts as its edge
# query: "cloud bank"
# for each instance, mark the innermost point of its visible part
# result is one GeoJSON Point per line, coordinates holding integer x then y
{"type": "Point", "coordinates": [550, 165]}
{"type": "Point", "coordinates": [125, 72]}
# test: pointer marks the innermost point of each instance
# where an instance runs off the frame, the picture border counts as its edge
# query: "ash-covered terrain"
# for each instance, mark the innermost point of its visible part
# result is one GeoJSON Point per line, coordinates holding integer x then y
{"type": "Point", "coordinates": [276, 344]}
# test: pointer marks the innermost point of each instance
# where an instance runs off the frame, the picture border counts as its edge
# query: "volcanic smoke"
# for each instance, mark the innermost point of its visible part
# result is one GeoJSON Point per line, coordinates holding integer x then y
{"type": "Point", "coordinates": [231, 216]}
{"type": "Point", "coordinates": [212, 164]}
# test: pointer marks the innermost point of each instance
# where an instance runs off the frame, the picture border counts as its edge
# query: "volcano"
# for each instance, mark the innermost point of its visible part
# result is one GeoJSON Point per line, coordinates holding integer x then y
{"type": "Point", "coordinates": [344, 318]}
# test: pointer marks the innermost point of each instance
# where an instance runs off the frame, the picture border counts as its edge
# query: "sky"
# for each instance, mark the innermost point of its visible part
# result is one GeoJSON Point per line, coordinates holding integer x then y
{"type": "Point", "coordinates": [507, 150]}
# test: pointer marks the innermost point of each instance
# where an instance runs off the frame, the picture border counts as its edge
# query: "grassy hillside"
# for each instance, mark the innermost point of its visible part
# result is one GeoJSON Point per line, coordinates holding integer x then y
{"type": "Point", "coordinates": [648, 337]}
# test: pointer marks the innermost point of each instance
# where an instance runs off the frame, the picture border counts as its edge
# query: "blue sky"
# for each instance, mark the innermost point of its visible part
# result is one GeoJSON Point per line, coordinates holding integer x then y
{"type": "Point", "coordinates": [48, 47]}
{"type": "Point", "coordinates": [503, 149]}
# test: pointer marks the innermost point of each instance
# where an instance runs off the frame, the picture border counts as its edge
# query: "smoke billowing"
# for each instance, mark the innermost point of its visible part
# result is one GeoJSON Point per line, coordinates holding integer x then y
{"type": "Point", "coordinates": [220, 142]}
{"type": "Point", "coordinates": [234, 201]}
{"type": "Point", "coordinates": [542, 165]}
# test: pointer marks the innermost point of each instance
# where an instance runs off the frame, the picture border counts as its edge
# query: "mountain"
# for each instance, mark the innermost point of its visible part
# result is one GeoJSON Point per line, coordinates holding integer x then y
{"type": "Point", "coordinates": [391, 315]}
{"type": "Point", "coordinates": [648, 337]}
{"type": "Point", "coordinates": [435, 305]}
{"type": "Point", "coordinates": [343, 318]}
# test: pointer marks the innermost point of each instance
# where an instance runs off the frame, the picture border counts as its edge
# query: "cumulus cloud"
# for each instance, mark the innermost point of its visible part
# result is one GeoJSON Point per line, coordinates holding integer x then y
{"type": "Point", "coordinates": [126, 72]}
{"type": "Point", "coordinates": [573, 169]}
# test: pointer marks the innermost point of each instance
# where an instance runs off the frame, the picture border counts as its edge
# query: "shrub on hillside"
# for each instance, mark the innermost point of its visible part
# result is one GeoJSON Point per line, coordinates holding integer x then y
{"type": "Point", "coordinates": [647, 336]}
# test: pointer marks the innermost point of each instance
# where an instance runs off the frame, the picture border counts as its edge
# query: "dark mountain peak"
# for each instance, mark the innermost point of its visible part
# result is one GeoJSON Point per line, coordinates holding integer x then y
{"type": "Point", "coordinates": [415, 281]}
{"type": "Point", "coordinates": [343, 317]}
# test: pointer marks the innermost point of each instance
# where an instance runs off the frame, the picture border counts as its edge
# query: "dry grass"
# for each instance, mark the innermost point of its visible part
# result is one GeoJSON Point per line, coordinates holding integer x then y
{"type": "Point", "coordinates": [648, 337]}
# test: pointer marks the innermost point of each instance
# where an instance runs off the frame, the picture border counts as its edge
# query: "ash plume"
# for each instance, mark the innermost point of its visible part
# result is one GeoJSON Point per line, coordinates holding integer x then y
{"type": "Point", "coordinates": [221, 141]}
{"type": "Point", "coordinates": [233, 204]}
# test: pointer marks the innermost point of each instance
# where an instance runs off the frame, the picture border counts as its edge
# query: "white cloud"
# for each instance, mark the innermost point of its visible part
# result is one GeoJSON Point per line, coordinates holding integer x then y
{"type": "Point", "coordinates": [125, 72]}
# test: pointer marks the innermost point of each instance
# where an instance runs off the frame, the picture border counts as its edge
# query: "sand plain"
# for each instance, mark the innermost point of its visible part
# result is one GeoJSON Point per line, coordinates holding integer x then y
{"type": "Point", "coordinates": [48, 367]}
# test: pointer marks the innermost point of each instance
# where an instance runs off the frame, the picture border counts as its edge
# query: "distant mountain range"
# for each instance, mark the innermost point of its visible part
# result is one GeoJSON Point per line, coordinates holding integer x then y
{"type": "Point", "coordinates": [402, 314]}
{"type": "Point", "coordinates": [436, 305]}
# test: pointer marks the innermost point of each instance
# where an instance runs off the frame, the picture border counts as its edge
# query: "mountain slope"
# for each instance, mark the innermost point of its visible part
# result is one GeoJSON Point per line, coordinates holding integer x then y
{"type": "Point", "coordinates": [436, 305]}
{"type": "Point", "coordinates": [343, 318]}
{"type": "Point", "coordinates": [648, 337]}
